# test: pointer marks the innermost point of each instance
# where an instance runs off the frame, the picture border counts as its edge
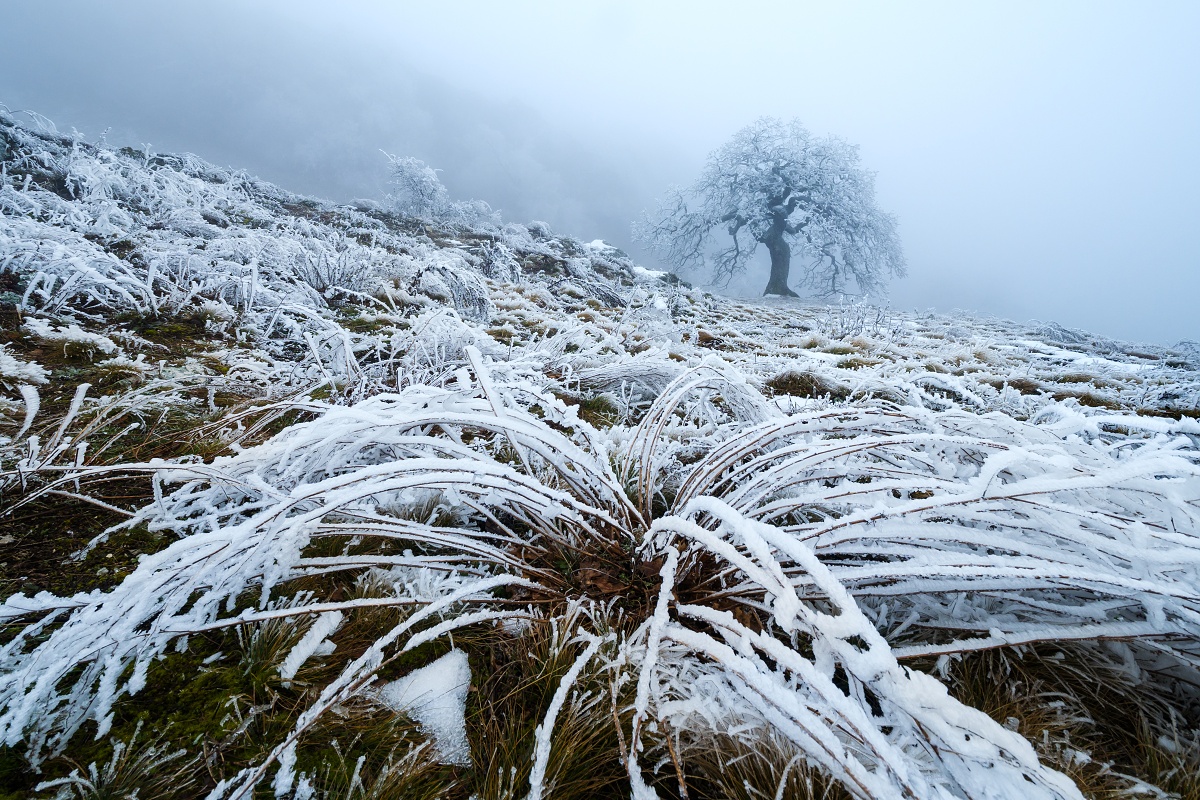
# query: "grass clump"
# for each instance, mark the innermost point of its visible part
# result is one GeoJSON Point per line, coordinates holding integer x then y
{"type": "Point", "coordinates": [598, 410]}
{"type": "Point", "coordinates": [1089, 399]}
{"type": "Point", "coordinates": [857, 363]}
{"type": "Point", "coordinates": [721, 765]}
{"type": "Point", "coordinates": [146, 768]}
{"type": "Point", "coordinates": [519, 675]}
{"type": "Point", "coordinates": [793, 383]}
{"type": "Point", "coordinates": [408, 771]}
{"type": "Point", "coordinates": [1087, 715]}
{"type": "Point", "coordinates": [1026, 386]}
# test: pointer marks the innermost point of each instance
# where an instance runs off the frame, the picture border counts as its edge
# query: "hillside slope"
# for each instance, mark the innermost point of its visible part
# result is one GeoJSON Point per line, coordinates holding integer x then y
{"type": "Point", "coordinates": [261, 454]}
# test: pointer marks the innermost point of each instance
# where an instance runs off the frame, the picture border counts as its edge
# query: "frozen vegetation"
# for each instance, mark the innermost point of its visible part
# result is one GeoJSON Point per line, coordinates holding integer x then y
{"type": "Point", "coordinates": [397, 500]}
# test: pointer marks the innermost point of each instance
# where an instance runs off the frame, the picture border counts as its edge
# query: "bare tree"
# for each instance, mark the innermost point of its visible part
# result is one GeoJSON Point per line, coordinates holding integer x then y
{"type": "Point", "coordinates": [776, 185]}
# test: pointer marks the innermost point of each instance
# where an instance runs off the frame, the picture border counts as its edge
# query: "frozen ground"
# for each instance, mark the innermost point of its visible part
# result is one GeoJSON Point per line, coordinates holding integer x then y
{"type": "Point", "coordinates": [762, 523]}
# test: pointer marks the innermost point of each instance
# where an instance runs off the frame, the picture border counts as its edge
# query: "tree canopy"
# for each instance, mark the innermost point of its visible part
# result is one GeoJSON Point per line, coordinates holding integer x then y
{"type": "Point", "coordinates": [777, 185]}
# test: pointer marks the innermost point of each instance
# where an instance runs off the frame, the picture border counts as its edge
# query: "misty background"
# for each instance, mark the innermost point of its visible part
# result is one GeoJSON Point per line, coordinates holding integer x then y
{"type": "Point", "coordinates": [1042, 158]}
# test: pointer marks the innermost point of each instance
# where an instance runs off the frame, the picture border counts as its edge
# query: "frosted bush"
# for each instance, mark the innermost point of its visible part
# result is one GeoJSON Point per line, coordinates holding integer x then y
{"type": "Point", "coordinates": [418, 192]}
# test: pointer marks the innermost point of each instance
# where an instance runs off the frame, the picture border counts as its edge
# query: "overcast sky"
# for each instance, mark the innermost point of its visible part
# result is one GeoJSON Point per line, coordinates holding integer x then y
{"type": "Point", "coordinates": [1042, 157]}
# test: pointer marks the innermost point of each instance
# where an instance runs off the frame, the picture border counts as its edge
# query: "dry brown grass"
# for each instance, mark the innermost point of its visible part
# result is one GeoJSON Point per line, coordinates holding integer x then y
{"type": "Point", "coordinates": [518, 676]}
{"type": "Point", "coordinates": [1085, 715]}
{"type": "Point", "coordinates": [793, 383]}
{"type": "Point", "coordinates": [721, 766]}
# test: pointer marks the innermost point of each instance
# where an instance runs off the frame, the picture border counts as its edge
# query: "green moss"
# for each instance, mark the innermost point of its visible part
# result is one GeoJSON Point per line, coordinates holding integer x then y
{"type": "Point", "coordinates": [365, 325]}
{"type": "Point", "coordinates": [16, 779]}
{"type": "Point", "coordinates": [43, 535]}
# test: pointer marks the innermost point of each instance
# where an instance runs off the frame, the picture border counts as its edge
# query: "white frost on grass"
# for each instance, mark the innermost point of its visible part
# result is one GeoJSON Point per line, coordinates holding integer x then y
{"type": "Point", "coordinates": [68, 335]}
{"type": "Point", "coordinates": [436, 696]}
{"type": "Point", "coordinates": [15, 371]}
{"type": "Point", "coordinates": [949, 484]}
{"type": "Point", "coordinates": [315, 642]}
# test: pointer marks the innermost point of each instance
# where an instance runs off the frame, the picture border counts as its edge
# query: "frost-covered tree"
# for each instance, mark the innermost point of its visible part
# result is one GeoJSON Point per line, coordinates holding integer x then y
{"type": "Point", "coordinates": [775, 184]}
{"type": "Point", "coordinates": [418, 192]}
{"type": "Point", "coordinates": [416, 189]}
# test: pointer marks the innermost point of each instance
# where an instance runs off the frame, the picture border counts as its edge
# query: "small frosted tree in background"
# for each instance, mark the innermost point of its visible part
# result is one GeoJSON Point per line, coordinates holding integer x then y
{"type": "Point", "coordinates": [418, 192]}
{"type": "Point", "coordinates": [776, 185]}
{"type": "Point", "coordinates": [416, 189]}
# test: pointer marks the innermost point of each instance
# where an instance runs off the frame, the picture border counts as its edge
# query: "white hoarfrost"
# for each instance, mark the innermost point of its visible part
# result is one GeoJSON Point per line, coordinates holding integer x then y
{"type": "Point", "coordinates": [68, 336]}
{"type": "Point", "coordinates": [14, 371]}
{"type": "Point", "coordinates": [436, 696]}
{"type": "Point", "coordinates": [818, 500]}
{"type": "Point", "coordinates": [315, 642]}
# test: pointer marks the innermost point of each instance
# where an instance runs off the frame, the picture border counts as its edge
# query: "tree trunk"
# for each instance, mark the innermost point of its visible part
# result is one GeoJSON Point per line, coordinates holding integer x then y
{"type": "Point", "coordinates": [781, 262]}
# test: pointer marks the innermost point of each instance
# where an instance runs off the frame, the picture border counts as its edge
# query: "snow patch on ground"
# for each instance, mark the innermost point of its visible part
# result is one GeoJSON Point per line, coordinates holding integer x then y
{"type": "Point", "coordinates": [436, 696]}
{"type": "Point", "coordinates": [648, 274]}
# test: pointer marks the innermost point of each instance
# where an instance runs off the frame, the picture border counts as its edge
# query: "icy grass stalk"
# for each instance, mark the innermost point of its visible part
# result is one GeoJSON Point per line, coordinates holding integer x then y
{"type": "Point", "coordinates": [545, 730]}
{"type": "Point", "coordinates": [924, 739]}
{"type": "Point", "coordinates": [646, 673]}
{"type": "Point", "coordinates": [354, 677]}
{"type": "Point", "coordinates": [32, 403]}
{"type": "Point", "coordinates": [312, 641]}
